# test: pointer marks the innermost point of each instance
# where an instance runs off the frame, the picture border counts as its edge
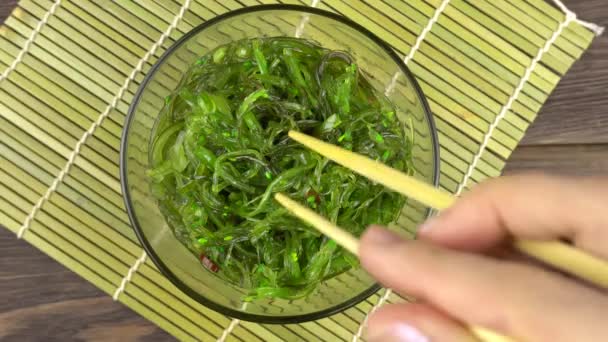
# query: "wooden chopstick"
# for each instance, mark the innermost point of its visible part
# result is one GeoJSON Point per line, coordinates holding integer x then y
{"type": "Point", "coordinates": [378, 172]}
{"type": "Point", "coordinates": [554, 253]}
{"type": "Point", "coordinates": [351, 243]}
{"type": "Point", "coordinates": [341, 236]}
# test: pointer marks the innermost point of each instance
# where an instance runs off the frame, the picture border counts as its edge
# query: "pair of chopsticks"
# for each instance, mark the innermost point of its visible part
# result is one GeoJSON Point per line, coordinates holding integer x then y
{"type": "Point", "coordinates": [554, 253]}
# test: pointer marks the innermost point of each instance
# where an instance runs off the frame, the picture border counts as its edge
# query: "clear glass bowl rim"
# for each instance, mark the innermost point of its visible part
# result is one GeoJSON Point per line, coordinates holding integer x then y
{"type": "Point", "coordinates": [125, 186]}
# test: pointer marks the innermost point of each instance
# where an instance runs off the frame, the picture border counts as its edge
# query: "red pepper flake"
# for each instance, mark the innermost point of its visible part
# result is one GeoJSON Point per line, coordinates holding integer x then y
{"type": "Point", "coordinates": [210, 265]}
{"type": "Point", "coordinates": [312, 193]}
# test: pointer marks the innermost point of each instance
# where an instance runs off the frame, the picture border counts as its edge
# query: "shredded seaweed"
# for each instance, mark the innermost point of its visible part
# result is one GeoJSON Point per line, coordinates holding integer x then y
{"type": "Point", "coordinates": [221, 150]}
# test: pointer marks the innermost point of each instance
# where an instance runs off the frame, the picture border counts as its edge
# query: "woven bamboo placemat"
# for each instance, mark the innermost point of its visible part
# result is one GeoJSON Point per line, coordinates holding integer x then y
{"type": "Point", "coordinates": [71, 68]}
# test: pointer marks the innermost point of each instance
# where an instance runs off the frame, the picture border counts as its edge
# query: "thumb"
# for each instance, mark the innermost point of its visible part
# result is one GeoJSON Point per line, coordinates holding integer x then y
{"type": "Point", "coordinates": [518, 300]}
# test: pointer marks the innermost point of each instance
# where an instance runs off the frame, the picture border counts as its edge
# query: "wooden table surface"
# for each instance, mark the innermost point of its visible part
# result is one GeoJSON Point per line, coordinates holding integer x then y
{"type": "Point", "coordinates": [42, 300]}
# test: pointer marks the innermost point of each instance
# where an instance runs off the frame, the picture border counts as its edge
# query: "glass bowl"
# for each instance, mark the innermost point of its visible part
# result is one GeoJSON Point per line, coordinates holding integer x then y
{"type": "Point", "coordinates": [382, 67]}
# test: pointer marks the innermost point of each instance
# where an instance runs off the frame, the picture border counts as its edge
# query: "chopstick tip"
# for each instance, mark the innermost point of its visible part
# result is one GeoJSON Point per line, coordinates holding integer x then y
{"type": "Point", "coordinates": [280, 197]}
{"type": "Point", "coordinates": [294, 134]}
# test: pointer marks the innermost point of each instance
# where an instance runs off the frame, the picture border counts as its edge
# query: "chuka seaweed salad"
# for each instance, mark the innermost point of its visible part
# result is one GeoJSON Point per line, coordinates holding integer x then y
{"type": "Point", "coordinates": [220, 151]}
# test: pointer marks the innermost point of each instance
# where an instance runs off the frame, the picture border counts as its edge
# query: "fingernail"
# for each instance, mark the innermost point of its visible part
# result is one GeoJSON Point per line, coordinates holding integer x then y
{"type": "Point", "coordinates": [396, 332]}
{"type": "Point", "coordinates": [430, 225]}
{"type": "Point", "coordinates": [382, 236]}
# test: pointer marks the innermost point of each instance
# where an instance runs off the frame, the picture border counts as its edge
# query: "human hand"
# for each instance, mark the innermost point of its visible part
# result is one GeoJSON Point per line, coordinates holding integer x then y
{"type": "Point", "coordinates": [454, 271]}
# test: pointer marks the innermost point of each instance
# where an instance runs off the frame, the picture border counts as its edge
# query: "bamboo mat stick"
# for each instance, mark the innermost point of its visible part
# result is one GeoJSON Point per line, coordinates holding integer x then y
{"type": "Point", "coordinates": [351, 243]}
{"type": "Point", "coordinates": [554, 253]}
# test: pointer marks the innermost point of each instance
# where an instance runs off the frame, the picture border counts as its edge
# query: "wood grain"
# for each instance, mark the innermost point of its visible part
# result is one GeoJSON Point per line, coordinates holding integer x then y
{"type": "Point", "coordinates": [577, 111]}
{"type": "Point", "coordinates": [42, 300]}
{"type": "Point", "coordinates": [6, 7]}
{"type": "Point", "coordinates": [579, 160]}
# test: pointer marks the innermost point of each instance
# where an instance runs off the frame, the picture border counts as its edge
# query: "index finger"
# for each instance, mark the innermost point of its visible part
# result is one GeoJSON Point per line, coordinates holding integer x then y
{"type": "Point", "coordinates": [527, 207]}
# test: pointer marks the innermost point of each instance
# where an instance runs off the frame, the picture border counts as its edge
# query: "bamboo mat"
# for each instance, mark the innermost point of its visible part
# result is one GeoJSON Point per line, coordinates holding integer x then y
{"type": "Point", "coordinates": [71, 68]}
